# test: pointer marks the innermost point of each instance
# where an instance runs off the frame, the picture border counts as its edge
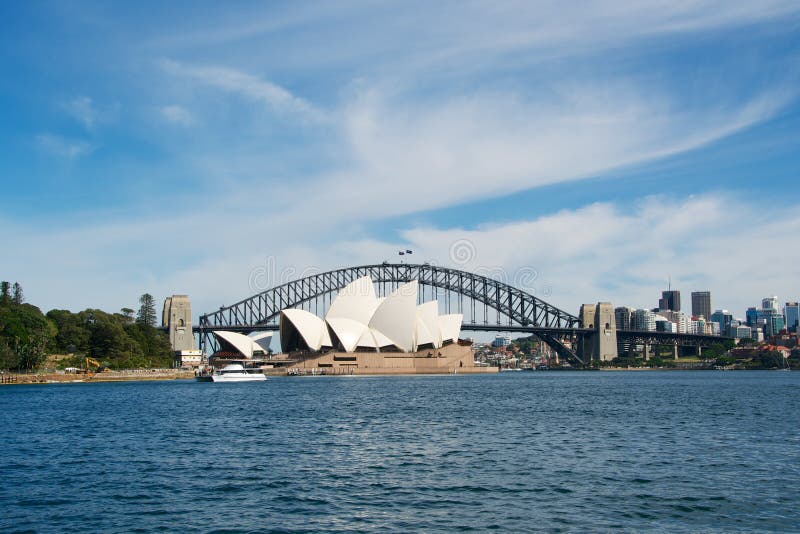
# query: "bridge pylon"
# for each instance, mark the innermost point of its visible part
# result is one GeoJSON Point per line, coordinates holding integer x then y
{"type": "Point", "coordinates": [600, 344]}
{"type": "Point", "coordinates": [177, 320]}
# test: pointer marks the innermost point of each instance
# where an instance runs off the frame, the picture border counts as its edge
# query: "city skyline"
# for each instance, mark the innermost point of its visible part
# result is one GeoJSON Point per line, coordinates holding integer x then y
{"type": "Point", "coordinates": [606, 148]}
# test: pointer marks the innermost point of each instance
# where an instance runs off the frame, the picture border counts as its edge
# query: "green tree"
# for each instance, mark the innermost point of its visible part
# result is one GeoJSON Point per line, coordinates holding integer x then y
{"type": "Point", "coordinates": [147, 310]}
{"type": "Point", "coordinates": [24, 336]}
{"type": "Point", "coordinates": [32, 354]}
{"type": "Point", "coordinates": [8, 360]}
{"type": "Point", "coordinates": [771, 360]}
{"type": "Point", "coordinates": [72, 333]}
{"type": "Point", "coordinates": [18, 297]}
{"type": "Point", "coordinates": [5, 292]}
{"type": "Point", "coordinates": [127, 314]}
{"type": "Point", "coordinates": [108, 340]}
{"type": "Point", "coordinates": [724, 361]}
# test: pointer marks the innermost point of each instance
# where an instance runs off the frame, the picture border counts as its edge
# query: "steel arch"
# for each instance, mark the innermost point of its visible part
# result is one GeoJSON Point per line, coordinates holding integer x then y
{"type": "Point", "coordinates": [518, 307]}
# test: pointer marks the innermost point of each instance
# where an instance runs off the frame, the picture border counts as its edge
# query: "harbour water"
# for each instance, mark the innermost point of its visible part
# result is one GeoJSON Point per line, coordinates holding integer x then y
{"type": "Point", "coordinates": [542, 451]}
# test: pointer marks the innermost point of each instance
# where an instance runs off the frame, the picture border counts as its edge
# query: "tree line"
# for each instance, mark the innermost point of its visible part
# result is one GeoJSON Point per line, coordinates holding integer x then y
{"type": "Point", "coordinates": [123, 340]}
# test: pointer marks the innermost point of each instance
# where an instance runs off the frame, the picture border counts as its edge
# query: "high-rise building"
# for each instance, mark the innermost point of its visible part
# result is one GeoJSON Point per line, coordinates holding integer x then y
{"type": "Point", "coordinates": [723, 319]}
{"type": "Point", "coordinates": [752, 315]}
{"type": "Point", "coordinates": [774, 325]}
{"type": "Point", "coordinates": [643, 320]}
{"type": "Point", "coordinates": [769, 303]}
{"type": "Point", "coordinates": [701, 304]}
{"type": "Point", "coordinates": [670, 300]}
{"type": "Point", "coordinates": [622, 315]}
{"type": "Point", "coordinates": [501, 341]}
{"type": "Point", "coordinates": [740, 331]}
{"type": "Point", "coordinates": [792, 313]}
{"type": "Point", "coordinates": [770, 317]}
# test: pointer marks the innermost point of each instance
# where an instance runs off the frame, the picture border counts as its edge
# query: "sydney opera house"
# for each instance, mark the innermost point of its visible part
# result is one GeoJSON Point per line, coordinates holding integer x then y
{"type": "Point", "coordinates": [362, 333]}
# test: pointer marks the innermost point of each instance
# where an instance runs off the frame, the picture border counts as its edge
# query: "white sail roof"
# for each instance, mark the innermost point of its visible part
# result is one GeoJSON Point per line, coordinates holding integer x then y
{"type": "Point", "coordinates": [358, 318]}
{"type": "Point", "coordinates": [310, 327]}
{"type": "Point", "coordinates": [428, 329]}
{"type": "Point", "coordinates": [367, 339]}
{"type": "Point", "coordinates": [396, 317]}
{"type": "Point", "coordinates": [348, 331]}
{"type": "Point", "coordinates": [450, 326]}
{"type": "Point", "coordinates": [262, 339]}
{"type": "Point", "coordinates": [242, 343]}
{"type": "Point", "coordinates": [422, 335]}
{"type": "Point", "coordinates": [355, 301]}
{"type": "Point", "coordinates": [380, 339]}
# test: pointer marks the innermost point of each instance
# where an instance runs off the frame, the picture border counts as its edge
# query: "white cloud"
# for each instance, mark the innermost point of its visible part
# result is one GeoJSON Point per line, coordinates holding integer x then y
{"type": "Point", "coordinates": [178, 115]}
{"type": "Point", "coordinates": [415, 156]}
{"type": "Point", "coordinates": [64, 147]}
{"type": "Point", "coordinates": [625, 253]}
{"type": "Point", "coordinates": [273, 96]}
{"type": "Point", "coordinates": [407, 42]}
{"type": "Point", "coordinates": [408, 141]}
{"type": "Point", "coordinates": [602, 251]}
{"type": "Point", "coordinates": [82, 109]}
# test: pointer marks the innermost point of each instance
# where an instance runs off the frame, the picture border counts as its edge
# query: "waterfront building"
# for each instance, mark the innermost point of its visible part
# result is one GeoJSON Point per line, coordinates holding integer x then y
{"type": "Point", "coordinates": [701, 304]}
{"type": "Point", "coordinates": [643, 320]}
{"type": "Point", "coordinates": [700, 326]}
{"type": "Point", "coordinates": [501, 341]}
{"type": "Point", "coordinates": [663, 325]}
{"type": "Point", "coordinates": [774, 324]}
{"type": "Point", "coordinates": [681, 321]}
{"type": "Point", "coordinates": [670, 300]}
{"type": "Point", "coordinates": [358, 320]}
{"type": "Point", "coordinates": [361, 333]}
{"type": "Point", "coordinates": [752, 315]}
{"type": "Point", "coordinates": [758, 334]}
{"type": "Point", "coordinates": [188, 359]}
{"type": "Point", "coordinates": [622, 316]}
{"type": "Point", "coordinates": [234, 346]}
{"type": "Point", "coordinates": [723, 319]}
{"type": "Point", "coordinates": [739, 331]}
{"type": "Point", "coordinates": [792, 314]}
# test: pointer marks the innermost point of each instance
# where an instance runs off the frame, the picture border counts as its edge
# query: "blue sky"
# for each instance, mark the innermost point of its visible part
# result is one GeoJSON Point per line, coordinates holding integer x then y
{"type": "Point", "coordinates": [182, 148]}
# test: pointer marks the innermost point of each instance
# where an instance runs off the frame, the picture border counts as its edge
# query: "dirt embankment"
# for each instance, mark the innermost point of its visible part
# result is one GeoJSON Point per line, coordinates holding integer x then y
{"type": "Point", "coordinates": [105, 376]}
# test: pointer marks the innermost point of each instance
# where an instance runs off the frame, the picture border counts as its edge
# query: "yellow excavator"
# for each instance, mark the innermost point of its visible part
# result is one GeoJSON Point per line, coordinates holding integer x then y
{"type": "Point", "coordinates": [90, 365]}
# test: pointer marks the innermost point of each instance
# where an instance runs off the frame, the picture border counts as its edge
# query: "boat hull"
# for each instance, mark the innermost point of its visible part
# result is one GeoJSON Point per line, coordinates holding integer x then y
{"type": "Point", "coordinates": [238, 378]}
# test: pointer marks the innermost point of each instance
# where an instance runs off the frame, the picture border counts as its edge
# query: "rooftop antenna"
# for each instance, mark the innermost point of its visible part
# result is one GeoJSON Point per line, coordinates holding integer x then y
{"type": "Point", "coordinates": [669, 282]}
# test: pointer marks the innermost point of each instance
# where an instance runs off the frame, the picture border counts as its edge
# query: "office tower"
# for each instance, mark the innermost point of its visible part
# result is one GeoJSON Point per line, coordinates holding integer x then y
{"type": "Point", "coordinates": [792, 313]}
{"type": "Point", "coordinates": [670, 300]}
{"type": "Point", "coordinates": [701, 304]}
{"type": "Point", "coordinates": [769, 303]}
{"type": "Point", "coordinates": [723, 320]}
{"type": "Point", "coordinates": [622, 315]}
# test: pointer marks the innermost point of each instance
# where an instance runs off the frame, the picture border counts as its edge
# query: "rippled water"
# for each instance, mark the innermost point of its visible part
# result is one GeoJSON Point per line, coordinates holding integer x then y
{"type": "Point", "coordinates": [677, 451]}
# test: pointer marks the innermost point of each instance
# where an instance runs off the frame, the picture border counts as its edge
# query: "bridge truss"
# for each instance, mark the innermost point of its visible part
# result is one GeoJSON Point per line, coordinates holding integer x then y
{"type": "Point", "coordinates": [487, 303]}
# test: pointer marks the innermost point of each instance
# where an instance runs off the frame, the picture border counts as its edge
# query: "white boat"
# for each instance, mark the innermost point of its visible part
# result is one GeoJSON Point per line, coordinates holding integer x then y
{"type": "Point", "coordinates": [234, 372]}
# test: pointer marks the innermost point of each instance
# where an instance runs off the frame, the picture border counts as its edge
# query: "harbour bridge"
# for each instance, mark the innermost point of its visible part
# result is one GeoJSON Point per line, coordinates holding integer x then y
{"type": "Point", "coordinates": [488, 305]}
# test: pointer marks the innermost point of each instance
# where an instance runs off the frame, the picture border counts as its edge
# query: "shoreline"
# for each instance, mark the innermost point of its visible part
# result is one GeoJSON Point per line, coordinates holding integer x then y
{"type": "Point", "coordinates": [133, 375]}
{"type": "Point", "coordinates": [148, 375]}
